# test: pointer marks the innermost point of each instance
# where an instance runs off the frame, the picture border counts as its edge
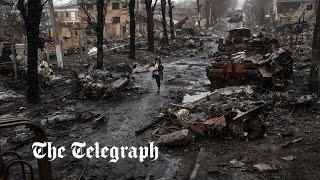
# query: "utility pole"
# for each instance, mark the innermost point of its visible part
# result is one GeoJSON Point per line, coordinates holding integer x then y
{"type": "Point", "coordinates": [57, 41]}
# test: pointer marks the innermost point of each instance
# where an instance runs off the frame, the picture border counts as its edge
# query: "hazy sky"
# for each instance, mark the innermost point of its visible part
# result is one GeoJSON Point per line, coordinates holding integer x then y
{"type": "Point", "coordinates": [240, 4]}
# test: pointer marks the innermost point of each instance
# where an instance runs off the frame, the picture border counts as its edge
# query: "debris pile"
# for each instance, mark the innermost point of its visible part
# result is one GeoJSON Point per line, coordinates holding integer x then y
{"type": "Point", "coordinates": [235, 123]}
{"type": "Point", "coordinates": [99, 84]}
{"type": "Point", "coordinates": [223, 114]}
{"type": "Point", "coordinates": [239, 112]}
{"type": "Point", "coordinates": [182, 46]}
{"type": "Point", "coordinates": [9, 95]}
{"type": "Point", "coordinates": [245, 60]}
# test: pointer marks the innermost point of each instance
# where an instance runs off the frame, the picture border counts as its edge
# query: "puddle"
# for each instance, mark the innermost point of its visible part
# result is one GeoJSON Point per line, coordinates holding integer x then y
{"type": "Point", "coordinates": [191, 98]}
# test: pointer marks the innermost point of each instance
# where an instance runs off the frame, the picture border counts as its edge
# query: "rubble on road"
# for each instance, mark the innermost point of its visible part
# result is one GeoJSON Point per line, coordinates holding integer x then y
{"type": "Point", "coordinates": [288, 158]}
{"type": "Point", "coordinates": [175, 138]}
{"type": "Point", "coordinates": [100, 83]}
{"type": "Point", "coordinates": [239, 124]}
{"type": "Point", "coordinates": [183, 46]}
{"type": "Point", "coordinates": [265, 167]}
{"type": "Point", "coordinates": [287, 144]}
{"type": "Point", "coordinates": [192, 43]}
{"type": "Point", "coordinates": [9, 95]}
{"type": "Point", "coordinates": [235, 90]}
{"type": "Point", "coordinates": [236, 163]}
{"type": "Point", "coordinates": [140, 69]}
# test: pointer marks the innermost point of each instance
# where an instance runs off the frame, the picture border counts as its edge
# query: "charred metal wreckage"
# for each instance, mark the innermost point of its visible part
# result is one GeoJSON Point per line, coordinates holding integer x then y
{"type": "Point", "coordinates": [245, 59]}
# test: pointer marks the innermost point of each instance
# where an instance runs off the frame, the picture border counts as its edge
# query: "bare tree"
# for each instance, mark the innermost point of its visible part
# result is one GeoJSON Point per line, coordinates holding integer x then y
{"type": "Point", "coordinates": [314, 81]}
{"type": "Point", "coordinates": [164, 21]}
{"type": "Point", "coordinates": [150, 24]}
{"type": "Point", "coordinates": [96, 19]}
{"type": "Point", "coordinates": [208, 12]}
{"type": "Point", "coordinates": [31, 14]}
{"type": "Point", "coordinates": [100, 29]}
{"type": "Point", "coordinates": [199, 12]}
{"type": "Point", "coordinates": [170, 11]}
{"type": "Point", "coordinates": [215, 9]}
{"type": "Point", "coordinates": [132, 52]}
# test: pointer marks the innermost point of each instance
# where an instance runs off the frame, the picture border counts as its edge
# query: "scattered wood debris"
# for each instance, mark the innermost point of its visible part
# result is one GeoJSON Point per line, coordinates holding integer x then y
{"type": "Point", "coordinates": [175, 138]}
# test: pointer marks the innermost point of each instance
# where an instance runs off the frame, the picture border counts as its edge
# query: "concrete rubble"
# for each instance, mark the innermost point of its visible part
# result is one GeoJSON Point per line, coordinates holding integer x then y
{"type": "Point", "coordinates": [9, 95]}
{"type": "Point", "coordinates": [98, 84]}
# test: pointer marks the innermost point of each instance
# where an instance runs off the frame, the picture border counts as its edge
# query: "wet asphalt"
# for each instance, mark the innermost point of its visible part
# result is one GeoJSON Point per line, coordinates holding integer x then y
{"type": "Point", "coordinates": [128, 115]}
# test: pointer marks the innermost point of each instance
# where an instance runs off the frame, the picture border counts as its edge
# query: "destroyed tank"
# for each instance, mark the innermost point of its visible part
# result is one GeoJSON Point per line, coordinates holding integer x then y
{"type": "Point", "coordinates": [238, 61]}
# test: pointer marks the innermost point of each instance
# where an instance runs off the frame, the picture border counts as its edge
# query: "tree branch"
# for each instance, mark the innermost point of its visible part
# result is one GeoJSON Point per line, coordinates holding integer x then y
{"type": "Point", "coordinates": [154, 6]}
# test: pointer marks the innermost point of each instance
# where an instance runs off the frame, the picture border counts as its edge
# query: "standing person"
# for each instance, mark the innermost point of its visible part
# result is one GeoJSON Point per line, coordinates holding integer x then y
{"type": "Point", "coordinates": [157, 72]}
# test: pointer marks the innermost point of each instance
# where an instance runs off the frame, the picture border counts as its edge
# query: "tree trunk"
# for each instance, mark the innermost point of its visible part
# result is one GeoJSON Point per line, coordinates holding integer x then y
{"type": "Point", "coordinates": [132, 52]}
{"type": "Point", "coordinates": [199, 13]}
{"type": "Point", "coordinates": [210, 14]}
{"type": "Point", "coordinates": [99, 30]}
{"type": "Point", "coordinates": [208, 2]}
{"type": "Point", "coordinates": [314, 81]}
{"type": "Point", "coordinates": [150, 25]}
{"type": "Point", "coordinates": [83, 32]}
{"type": "Point", "coordinates": [31, 14]}
{"type": "Point", "coordinates": [171, 18]}
{"type": "Point", "coordinates": [164, 21]}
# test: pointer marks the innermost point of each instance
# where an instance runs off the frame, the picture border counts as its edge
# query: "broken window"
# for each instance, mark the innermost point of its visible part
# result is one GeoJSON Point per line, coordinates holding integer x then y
{"type": "Point", "coordinates": [115, 5]}
{"type": "Point", "coordinates": [124, 30]}
{"type": "Point", "coordinates": [116, 20]}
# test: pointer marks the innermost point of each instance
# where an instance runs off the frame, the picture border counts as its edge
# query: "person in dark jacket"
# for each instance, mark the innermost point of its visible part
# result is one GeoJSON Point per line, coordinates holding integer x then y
{"type": "Point", "coordinates": [157, 72]}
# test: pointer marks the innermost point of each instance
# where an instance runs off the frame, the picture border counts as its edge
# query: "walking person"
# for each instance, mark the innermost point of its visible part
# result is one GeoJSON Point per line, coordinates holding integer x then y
{"type": "Point", "coordinates": [157, 72]}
